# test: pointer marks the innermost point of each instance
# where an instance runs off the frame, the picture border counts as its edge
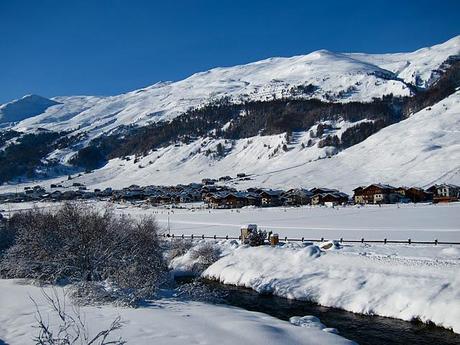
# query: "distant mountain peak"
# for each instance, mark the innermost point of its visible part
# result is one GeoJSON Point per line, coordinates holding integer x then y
{"type": "Point", "coordinates": [23, 108]}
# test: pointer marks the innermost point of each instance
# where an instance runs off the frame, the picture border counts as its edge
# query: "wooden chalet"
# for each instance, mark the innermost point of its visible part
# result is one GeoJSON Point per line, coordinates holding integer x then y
{"type": "Point", "coordinates": [445, 192]}
{"type": "Point", "coordinates": [297, 196]}
{"type": "Point", "coordinates": [376, 194]}
{"type": "Point", "coordinates": [333, 198]}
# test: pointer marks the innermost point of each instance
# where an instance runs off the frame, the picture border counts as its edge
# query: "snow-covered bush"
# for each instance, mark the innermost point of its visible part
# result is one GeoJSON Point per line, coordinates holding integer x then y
{"type": "Point", "coordinates": [204, 255]}
{"type": "Point", "coordinates": [78, 244]}
{"type": "Point", "coordinates": [256, 238]}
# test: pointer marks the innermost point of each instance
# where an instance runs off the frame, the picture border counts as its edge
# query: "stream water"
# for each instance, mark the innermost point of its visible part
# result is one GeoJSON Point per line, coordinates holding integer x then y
{"type": "Point", "coordinates": [364, 329]}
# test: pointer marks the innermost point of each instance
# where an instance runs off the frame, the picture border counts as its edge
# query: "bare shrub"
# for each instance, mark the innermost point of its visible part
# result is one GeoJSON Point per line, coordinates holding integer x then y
{"type": "Point", "coordinates": [7, 236]}
{"type": "Point", "coordinates": [71, 328]}
{"type": "Point", "coordinates": [204, 255]}
{"type": "Point", "coordinates": [178, 248]}
{"type": "Point", "coordinates": [196, 290]}
{"type": "Point", "coordinates": [79, 244]}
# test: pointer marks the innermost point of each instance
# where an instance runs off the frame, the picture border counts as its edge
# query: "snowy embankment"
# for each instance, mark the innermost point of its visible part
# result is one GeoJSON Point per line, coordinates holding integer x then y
{"type": "Point", "coordinates": [419, 284]}
{"type": "Point", "coordinates": [165, 321]}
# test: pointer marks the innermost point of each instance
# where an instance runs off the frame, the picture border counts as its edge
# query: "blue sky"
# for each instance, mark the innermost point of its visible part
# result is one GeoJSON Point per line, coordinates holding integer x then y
{"type": "Point", "coordinates": [107, 47]}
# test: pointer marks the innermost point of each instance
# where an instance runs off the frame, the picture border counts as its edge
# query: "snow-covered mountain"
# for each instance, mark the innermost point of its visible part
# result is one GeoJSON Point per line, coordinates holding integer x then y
{"type": "Point", "coordinates": [332, 76]}
{"type": "Point", "coordinates": [419, 150]}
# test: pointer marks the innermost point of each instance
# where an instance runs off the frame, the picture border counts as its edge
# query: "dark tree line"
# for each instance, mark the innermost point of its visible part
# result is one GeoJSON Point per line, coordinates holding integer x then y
{"type": "Point", "coordinates": [24, 156]}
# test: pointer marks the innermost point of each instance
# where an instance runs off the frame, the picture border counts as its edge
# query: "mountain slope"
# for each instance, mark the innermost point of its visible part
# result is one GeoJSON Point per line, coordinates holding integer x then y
{"type": "Point", "coordinates": [322, 74]}
{"type": "Point", "coordinates": [297, 121]}
{"type": "Point", "coordinates": [420, 68]}
{"type": "Point", "coordinates": [421, 150]}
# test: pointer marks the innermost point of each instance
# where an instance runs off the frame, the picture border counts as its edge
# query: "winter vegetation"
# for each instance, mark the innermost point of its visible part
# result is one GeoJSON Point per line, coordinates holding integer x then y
{"type": "Point", "coordinates": [107, 257]}
{"type": "Point", "coordinates": [72, 327]}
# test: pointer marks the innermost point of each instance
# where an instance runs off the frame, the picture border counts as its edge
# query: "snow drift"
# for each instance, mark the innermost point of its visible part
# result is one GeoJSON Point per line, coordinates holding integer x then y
{"type": "Point", "coordinates": [382, 285]}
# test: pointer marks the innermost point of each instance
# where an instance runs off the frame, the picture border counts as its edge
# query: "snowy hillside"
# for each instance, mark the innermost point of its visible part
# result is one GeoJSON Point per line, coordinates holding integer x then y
{"type": "Point", "coordinates": [419, 68]}
{"type": "Point", "coordinates": [420, 150]}
{"type": "Point", "coordinates": [330, 76]}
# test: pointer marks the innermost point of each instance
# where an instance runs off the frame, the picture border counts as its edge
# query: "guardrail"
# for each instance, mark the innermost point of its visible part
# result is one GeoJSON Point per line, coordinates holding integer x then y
{"type": "Point", "coordinates": [303, 239]}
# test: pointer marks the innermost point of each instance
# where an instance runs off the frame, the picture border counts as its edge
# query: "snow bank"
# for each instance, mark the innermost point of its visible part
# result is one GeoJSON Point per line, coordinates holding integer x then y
{"type": "Point", "coordinates": [162, 322]}
{"type": "Point", "coordinates": [391, 286]}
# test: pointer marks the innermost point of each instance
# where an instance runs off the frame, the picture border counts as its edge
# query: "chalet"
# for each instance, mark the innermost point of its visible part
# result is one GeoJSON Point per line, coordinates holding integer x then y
{"type": "Point", "coordinates": [222, 200]}
{"type": "Point", "coordinates": [270, 198]}
{"type": "Point", "coordinates": [415, 194]}
{"type": "Point", "coordinates": [231, 199]}
{"type": "Point", "coordinates": [332, 198]}
{"type": "Point", "coordinates": [358, 195]}
{"type": "Point", "coordinates": [445, 192]}
{"type": "Point", "coordinates": [376, 194]}
{"type": "Point", "coordinates": [321, 190]}
{"type": "Point", "coordinates": [297, 196]}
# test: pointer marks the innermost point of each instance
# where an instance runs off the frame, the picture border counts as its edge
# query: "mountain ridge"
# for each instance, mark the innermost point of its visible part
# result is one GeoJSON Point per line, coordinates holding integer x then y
{"type": "Point", "coordinates": [308, 110]}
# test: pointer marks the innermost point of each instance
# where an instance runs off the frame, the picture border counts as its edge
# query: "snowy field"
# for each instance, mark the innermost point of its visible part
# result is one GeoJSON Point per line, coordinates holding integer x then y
{"type": "Point", "coordinates": [419, 222]}
{"type": "Point", "coordinates": [164, 321]}
{"type": "Point", "coordinates": [401, 281]}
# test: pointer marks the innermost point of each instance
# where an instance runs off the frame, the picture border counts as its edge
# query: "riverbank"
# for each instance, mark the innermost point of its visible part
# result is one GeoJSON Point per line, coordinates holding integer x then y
{"type": "Point", "coordinates": [404, 282]}
{"type": "Point", "coordinates": [166, 321]}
